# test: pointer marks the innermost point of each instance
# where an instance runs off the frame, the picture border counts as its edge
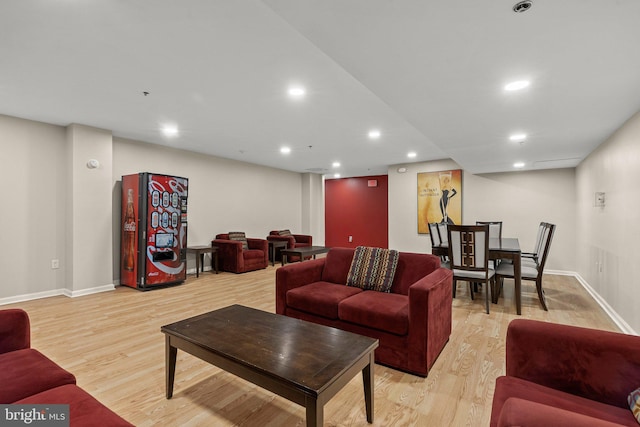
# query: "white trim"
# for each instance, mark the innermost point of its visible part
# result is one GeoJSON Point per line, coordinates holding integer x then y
{"type": "Point", "coordinates": [89, 291]}
{"type": "Point", "coordinates": [29, 297]}
{"type": "Point", "coordinates": [613, 315]}
{"type": "Point", "coordinates": [55, 293]}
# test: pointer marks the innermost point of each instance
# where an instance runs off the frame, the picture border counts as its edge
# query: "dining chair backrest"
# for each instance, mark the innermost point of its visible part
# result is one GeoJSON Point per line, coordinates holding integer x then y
{"type": "Point", "coordinates": [550, 229]}
{"type": "Point", "coordinates": [495, 228]}
{"type": "Point", "coordinates": [469, 247]}
{"type": "Point", "coordinates": [434, 234]}
{"type": "Point", "coordinates": [542, 229]}
{"type": "Point", "coordinates": [442, 232]}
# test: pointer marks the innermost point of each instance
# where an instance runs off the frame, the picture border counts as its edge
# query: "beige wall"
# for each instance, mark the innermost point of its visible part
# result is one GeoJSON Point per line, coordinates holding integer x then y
{"type": "Point", "coordinates": [224, 195]}
{"type": "Point", "coordinates": [34, 194]}
{"type": "Point", "coordinates": [607, 238]}
{"type": "Point", "coordinates": [57, 208]}
{"type": "Point", "coordinates": [521, 200]}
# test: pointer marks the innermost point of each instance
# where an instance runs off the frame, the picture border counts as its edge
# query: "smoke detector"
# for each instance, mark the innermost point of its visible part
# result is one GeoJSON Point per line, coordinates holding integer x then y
{"type": "Point", "coordinates": [522, 6]}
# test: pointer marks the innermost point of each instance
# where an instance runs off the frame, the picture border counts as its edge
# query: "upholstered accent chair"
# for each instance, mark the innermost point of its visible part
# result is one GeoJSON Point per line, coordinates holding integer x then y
{"type": "Point", "coordinates": [293, 241]}
{"type": "Point", "coordinates": [560, 375]}
{"type": "Point", "coordinates": [239, 254]}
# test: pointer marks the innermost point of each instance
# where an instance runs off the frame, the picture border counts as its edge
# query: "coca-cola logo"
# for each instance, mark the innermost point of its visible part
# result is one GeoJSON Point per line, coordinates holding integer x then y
{"type": "Point", "coordinates": [129, 226]}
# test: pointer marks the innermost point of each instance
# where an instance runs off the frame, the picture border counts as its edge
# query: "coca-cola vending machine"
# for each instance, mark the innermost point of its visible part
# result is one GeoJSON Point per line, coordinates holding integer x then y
{"type": "Point", "coordinates": [154, 230]}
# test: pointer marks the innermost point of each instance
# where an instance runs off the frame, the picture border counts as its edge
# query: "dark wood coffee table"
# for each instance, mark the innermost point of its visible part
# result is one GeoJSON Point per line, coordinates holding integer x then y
{"type": "Point", "coordinates": [300, 361]}
{"type": "Point", "coordinates": [303, 252]}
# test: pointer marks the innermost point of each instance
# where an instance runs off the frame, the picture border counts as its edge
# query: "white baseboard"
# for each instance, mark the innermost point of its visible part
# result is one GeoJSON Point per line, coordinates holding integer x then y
{"type": "Point", "coordinates": [613, 315]}
{"type": "Point", "coordinates": [29, 297]}
{"type": "Point", "coordinates": [89, 291]}
{"type": "Point", "coordinates": [55, 293]}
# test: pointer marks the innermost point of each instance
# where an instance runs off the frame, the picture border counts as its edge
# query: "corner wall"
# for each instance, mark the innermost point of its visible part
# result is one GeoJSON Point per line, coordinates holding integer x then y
{"type": "Point", "coordinates": [607, 242]}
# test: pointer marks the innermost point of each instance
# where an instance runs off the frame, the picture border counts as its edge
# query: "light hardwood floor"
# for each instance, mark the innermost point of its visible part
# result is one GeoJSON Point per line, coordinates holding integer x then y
{"type": "Point", "coordinates": [113, 344]}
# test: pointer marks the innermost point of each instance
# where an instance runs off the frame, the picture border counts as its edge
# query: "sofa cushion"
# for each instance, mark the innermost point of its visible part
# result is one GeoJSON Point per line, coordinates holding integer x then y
{"type": "Point", "coordinates": [521, 412]}
{"type": "Point", "coordinates": [382, 311]}
{"type": "Point", "coordinates": [26, 372]}
{"type": "Point", "coordinates": [240, 237]}
{"type": "Point", "coordinates": [84, 409]}
{"type": "Point", "coordinates": [507, 387]}
{"type": "Point", "coordinates": [337, 265]}
{"type": "Point", "coordinates": [320, 298]}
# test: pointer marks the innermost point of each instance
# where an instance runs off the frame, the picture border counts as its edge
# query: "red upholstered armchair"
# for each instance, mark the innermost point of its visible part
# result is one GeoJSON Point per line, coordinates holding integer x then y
{"type": "Point", "coordinates": [293, 241]}
{"type": "Point", "coordinates": [559, 375]}
{"type": "Point", "coordinates": [232, 257]}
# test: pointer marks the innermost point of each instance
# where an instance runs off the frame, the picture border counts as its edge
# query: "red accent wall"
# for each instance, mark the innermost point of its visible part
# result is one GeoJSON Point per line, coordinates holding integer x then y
{"type": "Point", "coordinates": [353, 208]}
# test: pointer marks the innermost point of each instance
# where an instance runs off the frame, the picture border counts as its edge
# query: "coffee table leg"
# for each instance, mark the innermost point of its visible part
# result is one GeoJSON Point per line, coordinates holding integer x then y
{"type": "Point", "coordinates": [315, 416]}
{"type": "Point", "coordinates": [170, 365]}
{"type": "Point", "coordinates": [367, 379]}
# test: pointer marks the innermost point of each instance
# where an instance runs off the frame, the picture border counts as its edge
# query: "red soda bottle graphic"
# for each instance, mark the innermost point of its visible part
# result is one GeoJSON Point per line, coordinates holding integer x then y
{"type": "Point", "coordinates": [129, 227]}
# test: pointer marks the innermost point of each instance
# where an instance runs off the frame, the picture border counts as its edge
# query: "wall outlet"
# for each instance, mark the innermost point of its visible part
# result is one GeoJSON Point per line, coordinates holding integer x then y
{"type": "Point", "coordinates": [350, 239]}
{"type": "Point", "coordinates": [55, 263]}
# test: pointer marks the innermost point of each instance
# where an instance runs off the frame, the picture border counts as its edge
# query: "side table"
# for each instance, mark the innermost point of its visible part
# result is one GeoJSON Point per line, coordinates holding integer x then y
{"type": "Point", "coordinates": [199, 251]}
{"type": "Point", "coordinates": [273, 245]}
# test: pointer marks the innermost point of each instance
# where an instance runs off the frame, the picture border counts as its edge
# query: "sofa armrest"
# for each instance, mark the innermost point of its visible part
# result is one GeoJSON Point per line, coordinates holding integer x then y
{"type": "Point", "coordinates": [229, 254]}
{"type": "Point", "coordinates": [15, 330]}
{"type": "Point", "coordinates": [295, 275]}
{"type": "Point", "coordinates": [598, 365]}
{"type": "Point", "coordinates": [525, 413]}
{"type": "Point", "coordinates": [430, 302]}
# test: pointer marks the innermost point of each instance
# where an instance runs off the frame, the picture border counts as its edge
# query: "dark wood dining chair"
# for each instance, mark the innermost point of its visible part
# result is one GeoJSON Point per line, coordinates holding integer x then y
{"type": "Point", "coordinates": [531, 272]}
{"type": "Point", "coordinates": [469, 257]}
{"type": "Point", "coordinates": [495, 228]}
{"type": "Point", "coordinates": [434, 233]}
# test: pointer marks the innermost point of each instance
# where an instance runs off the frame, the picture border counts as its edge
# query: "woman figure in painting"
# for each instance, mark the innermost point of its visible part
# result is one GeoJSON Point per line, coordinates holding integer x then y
{"type": "Point", "coordinates": [447, 192]}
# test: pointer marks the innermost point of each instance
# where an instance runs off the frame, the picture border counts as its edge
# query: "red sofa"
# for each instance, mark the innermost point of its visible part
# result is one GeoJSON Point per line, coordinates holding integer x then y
{"type": "Point", "coordinates": [412, 322]}
{"type": "Point", "coordinates": [293, 241]}
{"type": "Point", "coordinates": [232, 258]}
{"type": "Point", "coordinates": [29, 377]}
{"type": "Point", "coordinates": [559, 375]}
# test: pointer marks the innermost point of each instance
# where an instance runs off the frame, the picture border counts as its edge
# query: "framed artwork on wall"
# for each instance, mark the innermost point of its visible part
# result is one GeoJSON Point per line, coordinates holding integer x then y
{"type": "Point", "coordinates": [439, 198]}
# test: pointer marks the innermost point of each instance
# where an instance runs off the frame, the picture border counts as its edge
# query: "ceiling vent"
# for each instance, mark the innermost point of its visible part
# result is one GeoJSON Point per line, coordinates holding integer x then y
{"type": "Point", "coordinates": [522, 6]}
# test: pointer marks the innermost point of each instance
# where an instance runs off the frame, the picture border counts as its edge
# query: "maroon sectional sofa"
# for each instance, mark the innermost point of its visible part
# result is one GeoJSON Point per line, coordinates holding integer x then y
{"type": "Point", "coordinates": [412, 322]}
{"type": "Point", "coordinates": [559, 375]}
{"type": "Point", "coordinates": [29, 377]}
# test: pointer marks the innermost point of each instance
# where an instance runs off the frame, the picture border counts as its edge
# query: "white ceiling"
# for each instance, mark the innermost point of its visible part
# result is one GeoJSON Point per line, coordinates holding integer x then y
{"type": "Point", "coordinates": [428, 74]}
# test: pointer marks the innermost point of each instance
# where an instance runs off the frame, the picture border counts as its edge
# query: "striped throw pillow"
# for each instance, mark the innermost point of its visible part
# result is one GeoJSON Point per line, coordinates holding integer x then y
{"type": "Point", "coordinates": [373, 268]}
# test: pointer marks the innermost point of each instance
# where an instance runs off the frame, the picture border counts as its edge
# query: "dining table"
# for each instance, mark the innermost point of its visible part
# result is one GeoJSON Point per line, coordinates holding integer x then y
{"type": "Point", "coordinates": [499, 248]}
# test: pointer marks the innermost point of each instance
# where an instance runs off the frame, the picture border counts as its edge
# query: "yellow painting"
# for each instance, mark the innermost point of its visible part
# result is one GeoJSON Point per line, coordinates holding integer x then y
{"type": "Point", "coordinates": [439, 198]}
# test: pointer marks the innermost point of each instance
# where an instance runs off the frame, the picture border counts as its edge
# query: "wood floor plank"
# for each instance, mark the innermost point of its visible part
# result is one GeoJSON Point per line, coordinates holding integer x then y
{"type": "Point", "coordinates": [113, 345]}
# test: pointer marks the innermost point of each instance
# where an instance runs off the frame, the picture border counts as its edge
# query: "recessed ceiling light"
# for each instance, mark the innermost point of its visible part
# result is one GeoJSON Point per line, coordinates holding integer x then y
{"type": "Point", "coordinates": [336, 164]}
{"type": "Point", "coordinates": [517, 85]}
{"type": "Point", "coordinates": [296, 91]}
{"type": "Point", "coordinates": [285, 150]}
{"type": "Point", "coordinates": [522, 6]}
{"type": "Point", "coordinates": [170, 130]}
{"type": "Point", "coordinates": [518, 165]}
{"type": "Point", "coordinates": [411, 154]}
{"type": "Point", "coordinates": [518, 137]}
{"type": "Point", "coordinates": [336, 175]}
{"type": "Point", "coordinates": [374, 134]}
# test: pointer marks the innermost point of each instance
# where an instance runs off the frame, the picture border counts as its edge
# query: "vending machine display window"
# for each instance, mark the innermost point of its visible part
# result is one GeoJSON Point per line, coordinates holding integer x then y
{"type": "Point", "coordinates": [164, 240]}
